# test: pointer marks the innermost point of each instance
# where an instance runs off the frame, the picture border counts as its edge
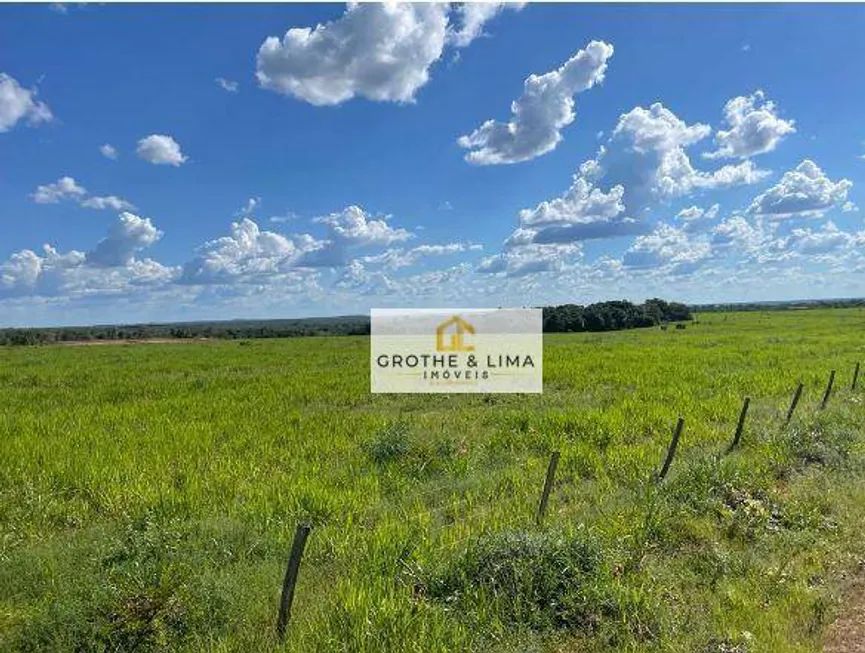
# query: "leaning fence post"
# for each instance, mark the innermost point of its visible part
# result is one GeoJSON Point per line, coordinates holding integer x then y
{"type": "Point", "coordinates": [828, 390]}
{"type": "Point", "coordinates": [290, 581]}
{"type": "Point", "coordinates": [548, 485]}
{"type": "Point", "coordinates": [855, 376]}
{"type": "Point", "coordinates": [672, 450]}
{"type": "Point", "coordinates": [793, 403]}
{"type": "Point", "coordinates": [741, 424]}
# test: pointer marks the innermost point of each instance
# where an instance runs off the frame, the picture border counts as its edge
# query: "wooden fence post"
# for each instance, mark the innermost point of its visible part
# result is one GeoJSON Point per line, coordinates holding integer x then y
{"type": "Point", "coordinates": [855, 376]}
{"type": "Point", "coordinates": [290, 581]}
{"type": "Point", "coordinates": [828, 390]}
{"type": "Point", "coordinates": [548, 485]}
{"type": "Point", "coordinates": [793, 403]}
{"type": "Point", "coordinates": [672, 450]}
{"type": "Point", "coordinates": [741, 424]}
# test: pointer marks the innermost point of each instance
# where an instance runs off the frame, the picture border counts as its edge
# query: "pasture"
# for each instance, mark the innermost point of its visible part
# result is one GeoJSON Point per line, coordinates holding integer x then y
{"type": "Point", "coordinates": [149, 494]}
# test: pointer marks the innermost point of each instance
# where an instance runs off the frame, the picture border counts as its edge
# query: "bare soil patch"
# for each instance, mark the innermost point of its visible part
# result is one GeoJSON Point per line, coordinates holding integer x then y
{"type": "Point", "coordinates": [847, 634]}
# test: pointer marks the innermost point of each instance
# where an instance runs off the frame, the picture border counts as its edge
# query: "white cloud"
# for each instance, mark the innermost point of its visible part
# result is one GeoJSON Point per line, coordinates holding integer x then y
{"type": "Point", "coordinates": [382, 52]}
{"type": "Point", "coordinates": [18, 103]}
{"type": "Point", "coordinates": [128, 236]}
{"type": "Point", "coordinates": [354, 227]}
{"type": "Point", "coordinates": [160, 149]}
{"type": "Point", "coordinates": [473, 16]}
{"type": "Point", "coordinates": [667, 245]}
{"type": "Point", "coordinates": [248, 253]}
{"type": "Point", "coordinates": [584, 212]}
{"type": "Point", "coordinates": [66, 188]}
{"type": "Point", "coordinates": [110, 268]}
{"type": "Point", "coordinates": [108, 151]}
{"type": "Point", "coordinates": [445, 285]}
{"type": "Point", "coordinates": [581, 204]}
{"type": "Point", "coordinates": [826, 243]}
{"type": "Point", "coordinates": [542, 111]}
{"type": "Point", "coordinates": [281, 219]}
{"type": "Point", "coordinates": [738, 235]}
{"type": "Point", "coordinates": [531, 259]}
{"type": "Point", "coordinates": [251, 255]}
{"type": "Point", "coordinates": [227, 84]}
{"type": "Point", "coordinates": [695, 219]}
{"type": "Point", "coordinates": [804, 192]}
{"type": "Point", "coordinates": [63, 188]}
{"type": "Point", "coordinates": [357, 278]}
{"type": "Point", "coordinates": [400, 258]}
{"type": "Point", "coordinates": [107, 202]}
{"type": "Point", "coordinates": [249, 208]}
{"type": "Point", "coordinates": [754, 128]}
{"type": "Point", "coordinates": [644, 163]}
{"type": "Point", "coordinates": [647, 154]}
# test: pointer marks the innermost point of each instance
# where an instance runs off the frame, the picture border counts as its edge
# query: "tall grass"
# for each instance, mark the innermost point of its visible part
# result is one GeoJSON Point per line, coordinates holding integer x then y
{"type": "Point", "coordinates": [149, 494]}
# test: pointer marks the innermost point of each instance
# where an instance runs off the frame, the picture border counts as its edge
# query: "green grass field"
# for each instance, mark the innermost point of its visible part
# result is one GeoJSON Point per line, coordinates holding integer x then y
{"type": "Point", "coordinates": [149, 495]}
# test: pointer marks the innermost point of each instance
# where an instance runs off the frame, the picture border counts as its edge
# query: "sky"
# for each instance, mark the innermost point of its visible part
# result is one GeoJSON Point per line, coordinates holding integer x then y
{"type": "Point", "coordinates": [187, 162]}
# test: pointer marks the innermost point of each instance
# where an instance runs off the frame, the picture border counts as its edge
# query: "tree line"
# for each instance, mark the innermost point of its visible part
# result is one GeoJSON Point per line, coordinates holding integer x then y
{"type": "Point", "coordinates": [613, 316]}
{"type": "Point", "coordinates": [568, 318]}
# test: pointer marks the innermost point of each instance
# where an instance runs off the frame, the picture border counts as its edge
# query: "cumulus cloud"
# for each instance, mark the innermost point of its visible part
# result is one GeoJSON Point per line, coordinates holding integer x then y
{"type": "Point", "coordinates": [666, 245]}
{"type": "Point", "coordinates": [804, 192]}
{"type": "Point", "coordinates": [66, 188]}
{"type": "Point", "coordinates": [107, 202]}
{"type": "Point", "coordinates": [160, 149]}
{"type": "Point", "coordinates": [357, 278]}
{"type": "Point", "coordinates": [247, 254]}
{"type": "Point", "coordinates": [695, 219]}
{"type": "Point", "coordinates": [250, 254]}
{"type": "Point", "coordinates": [356, 228]}
{"type": "Point", "coordinates": [128, 236]}
{"type": "Point", "coordinates": [531, 259]}
{"type": "Point", "coordinates": [540, 113]}
{"type": "Point", "coordinates": [63, 188]}
{"type": "Point", "coordinates": [754, 128]}
{"type": "Point", "coordinates": [348, 230]}
{"type": "Point", "coordinates": [584, 212]}
{"type": "Point", "coordinates": [582, 203]}
{"type": "Point", "coordinates": [18, 103]}
{"type": "Point", "coordinates": [449, 284]}
{"type": "Point", "coordinates": [227, 85]}
{"type": "Point", "coordinates": [824, 243]}
{"type": "Point", "coordinates": [379, 51]}
{"type": "Point", "coordinates": [250, 207]}
{"type": "Point", "coordinates": [400, 258]}
{"type": "Point", "coordinates": [108, 151]}
{"type": "Point", "coordinates": [111, 267]}
{"type": "Point", "coordinates": [472, 18]}
{"type": "Point", "coordinates": [643, 164]}
{"type": "Point", "coordinates": [739, 234]}
{"type": "Point", "coordinates": [647, 155]}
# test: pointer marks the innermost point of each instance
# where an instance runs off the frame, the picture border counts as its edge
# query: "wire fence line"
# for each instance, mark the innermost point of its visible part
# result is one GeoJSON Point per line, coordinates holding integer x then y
{"type": "Point", "coordinates": [548, 485]}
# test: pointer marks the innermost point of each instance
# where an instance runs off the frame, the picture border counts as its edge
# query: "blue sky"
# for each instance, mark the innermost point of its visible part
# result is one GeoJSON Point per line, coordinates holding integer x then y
{"type": "Point", "coordinates": [370, 156]}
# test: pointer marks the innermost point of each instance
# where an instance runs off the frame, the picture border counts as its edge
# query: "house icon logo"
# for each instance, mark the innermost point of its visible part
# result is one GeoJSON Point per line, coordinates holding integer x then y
{"type": "Point", "coordinates": [450, 335]}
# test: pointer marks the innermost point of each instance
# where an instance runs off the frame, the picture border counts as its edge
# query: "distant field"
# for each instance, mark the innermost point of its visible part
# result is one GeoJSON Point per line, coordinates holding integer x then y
{"type": "Point", "coordinates": [149, 495]}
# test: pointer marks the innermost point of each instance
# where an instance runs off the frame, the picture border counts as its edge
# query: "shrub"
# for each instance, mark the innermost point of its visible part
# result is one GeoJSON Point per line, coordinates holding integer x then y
{"type": "Point", "coordinates": [528, 579]}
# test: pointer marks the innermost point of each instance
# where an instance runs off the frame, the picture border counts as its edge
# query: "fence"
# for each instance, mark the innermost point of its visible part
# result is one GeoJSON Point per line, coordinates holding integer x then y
{"type": "Point", "coordinates": [303, 530]}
